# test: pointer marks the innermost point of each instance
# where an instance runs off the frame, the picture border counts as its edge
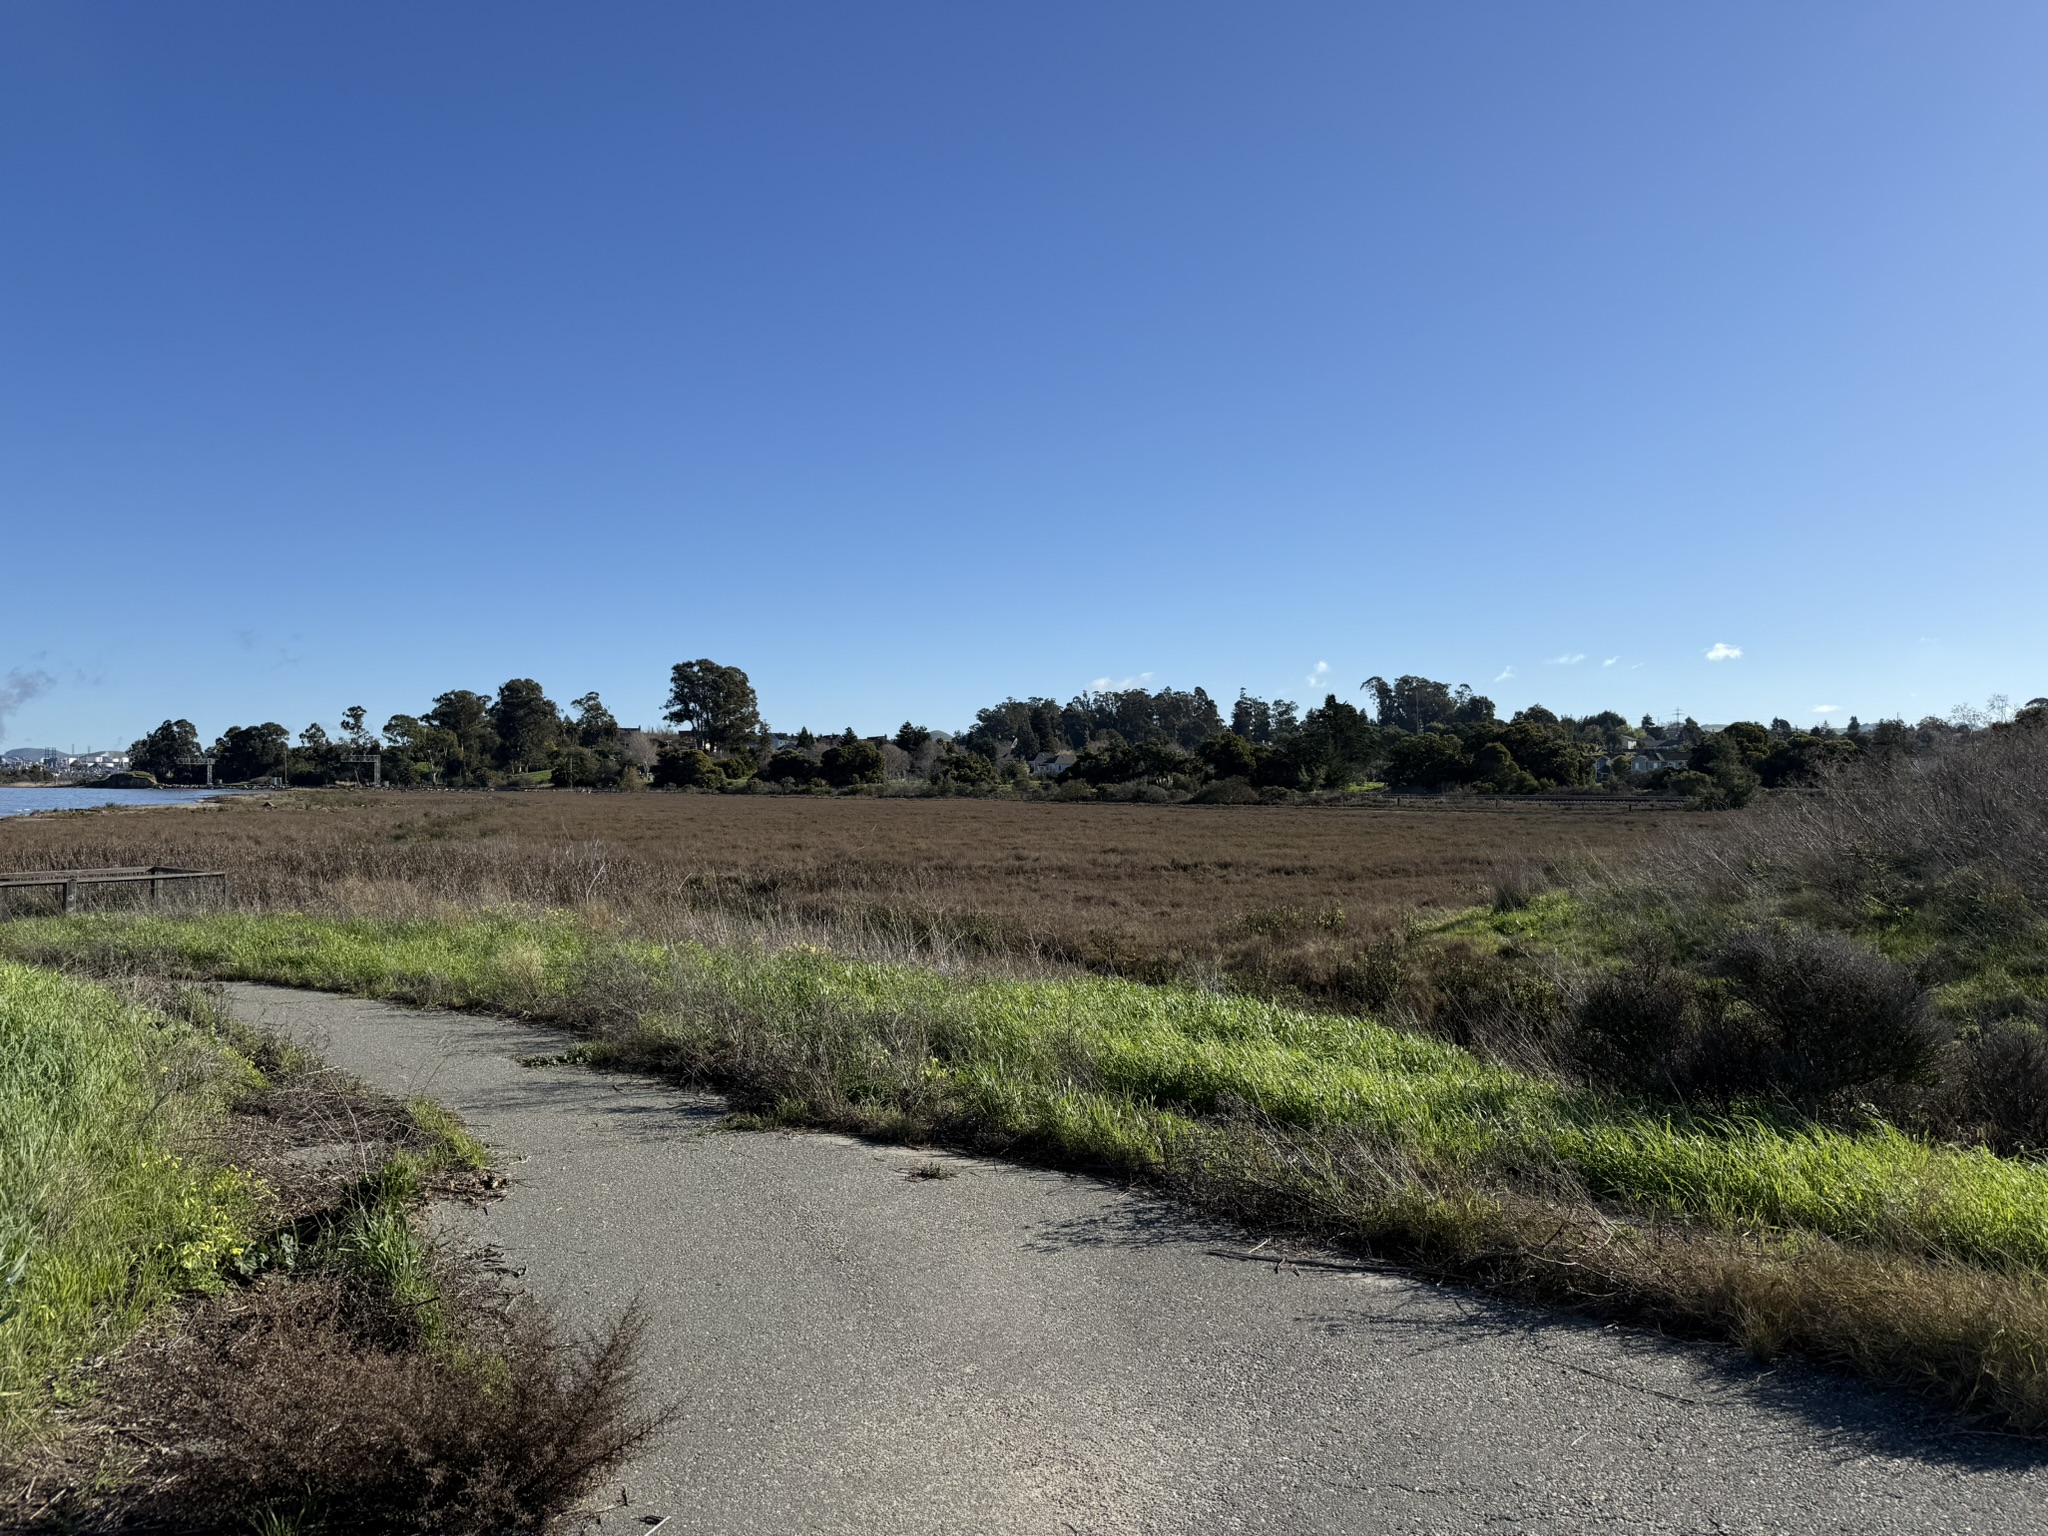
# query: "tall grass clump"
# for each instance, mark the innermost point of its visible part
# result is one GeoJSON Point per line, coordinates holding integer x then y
{"type": "Point", "coordinates": [103, 1211]}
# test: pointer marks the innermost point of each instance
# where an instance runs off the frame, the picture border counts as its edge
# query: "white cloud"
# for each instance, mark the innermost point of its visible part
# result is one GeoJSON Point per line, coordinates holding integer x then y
{"type": "Point", "coordinates": [1610, 661]}
{"type": "Point", "coordinates": [1569, 659]}
{"type": "Point", "coordinates": [1316, 678]}
{"type": "Point", "coordinates": [1827, 709]}
{"type": "Point", "coordinates": [1504, 674]}
{"type": "Point", "coordinates": [1118, 684]}
{"type": "Point", "coordinates": [1721, 650]}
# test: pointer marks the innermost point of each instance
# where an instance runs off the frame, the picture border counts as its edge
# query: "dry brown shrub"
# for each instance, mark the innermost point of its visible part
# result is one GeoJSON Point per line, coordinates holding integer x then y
{"type": "Point", "coordinates": [294, 1399]}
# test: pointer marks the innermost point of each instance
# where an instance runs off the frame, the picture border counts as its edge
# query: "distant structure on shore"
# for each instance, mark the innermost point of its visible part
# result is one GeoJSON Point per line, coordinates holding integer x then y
{"type": "Point", "coordinates": [65, 765]}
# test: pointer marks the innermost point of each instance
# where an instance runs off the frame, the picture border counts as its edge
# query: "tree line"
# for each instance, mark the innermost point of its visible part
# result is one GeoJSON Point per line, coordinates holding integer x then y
{"type": "Point", "coordinates": [1411, 733]}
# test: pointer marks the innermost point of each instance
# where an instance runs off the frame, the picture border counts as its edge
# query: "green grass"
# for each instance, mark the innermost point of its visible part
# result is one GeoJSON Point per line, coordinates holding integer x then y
{"type": "Point", "coordinates": [101, 1216]}
{"type": "Point", "coordinates": [1118, 1074]}
{"type": "Point", "coordinates": [1904, 1259]}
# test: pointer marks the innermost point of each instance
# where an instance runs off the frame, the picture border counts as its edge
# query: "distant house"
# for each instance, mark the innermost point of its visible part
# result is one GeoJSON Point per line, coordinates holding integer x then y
{"type": "Point", "coordinates": [1649, 758]}
{"type": "Point", "coordinates": [1047, 764]}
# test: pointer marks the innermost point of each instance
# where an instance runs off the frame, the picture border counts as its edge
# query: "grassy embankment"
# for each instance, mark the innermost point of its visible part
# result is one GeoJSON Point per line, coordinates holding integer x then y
{"type": "Point", "coordinates": [329, 1367]}
{"type": "Point", "coordinates": [1906, 1259]}
{"type": "Point", "coordinates": [104, 1211]}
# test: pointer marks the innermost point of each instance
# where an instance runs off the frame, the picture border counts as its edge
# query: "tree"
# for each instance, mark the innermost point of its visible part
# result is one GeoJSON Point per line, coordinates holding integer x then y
{"type": "Point", "coordinates": [596, 728]}
{"type": "Point", "coordinates": [576, 767]}
{"type": "Point", "coordinates": [912, 739]}
{"type": "Point", "coordinates": [1335, 744]}
{"type": "Point", "coordinates": [787, 767]}
{"type": "Point", "coordinates": [1430, 760]}
{"type": "Point", "coordinates": [419, 746]}
{"type": "Point", "coordinates": [1495, 770]}
{"type": "Point", "coordinates": [1251, 719]}
{"type": "Point", "coordinates": [852, 762]}
{"type": "Point", "coordinates": [527, 724]}
{"type": "Point", "coordinates": [1719, 775]}
{"type": "Point", "coordinates": [251, 752]}
{"type": "Point", "coordinates": [715, 702]}
{"type": "Point", "coordinates": [1800, 758]}
{"type": "Point", "coordinates": [466, 718]}
{"type": "Point", "coordinates": [1231, 756]}
{"type": "Point", "coordinates": [163, 752]}
{"type": "Point", "coordinates": [352, 733]}
{"type": "Point", "coordinates": [957, 770]}
{"type": "Point", "coordinates": [1413, 704]}
{"type": "Point", "coordinates": [686, 768]}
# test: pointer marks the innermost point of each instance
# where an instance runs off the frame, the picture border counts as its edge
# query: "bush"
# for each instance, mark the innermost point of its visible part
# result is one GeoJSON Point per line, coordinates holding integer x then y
{"type": "Point", "coordinates": [852, 762]}
{"type": "Point", "coordinates": [2009, 1085]}
{"type": "Point", "coordinates": [1639, 1029]}
{"type": "Point", "coordinates": [1226, 792]}
{"type": "Point", "coordinates": [686, 768]}
{"type": "Point", "coordinates": [956, 772]}
{"type": "Point", "coordinates": [1840, 1014]}
{"type": "Point", "coordinates": [244, 1415]}
{"type": "Point", "coordinates": [575, 768]}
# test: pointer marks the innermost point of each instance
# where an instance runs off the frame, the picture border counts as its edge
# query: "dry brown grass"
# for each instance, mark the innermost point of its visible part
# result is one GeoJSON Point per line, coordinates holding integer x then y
{"type": "Point", "coordinates": [1282, 898]}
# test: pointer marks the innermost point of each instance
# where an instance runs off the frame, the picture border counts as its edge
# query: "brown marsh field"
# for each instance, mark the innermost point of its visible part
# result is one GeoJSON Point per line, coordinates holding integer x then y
{"type": "Point", "coordinates": [1280, 898]}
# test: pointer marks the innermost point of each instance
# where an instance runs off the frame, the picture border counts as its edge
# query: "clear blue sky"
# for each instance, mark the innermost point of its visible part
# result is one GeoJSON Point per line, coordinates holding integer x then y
{"type": "Point", "coordinates": [910, 356]}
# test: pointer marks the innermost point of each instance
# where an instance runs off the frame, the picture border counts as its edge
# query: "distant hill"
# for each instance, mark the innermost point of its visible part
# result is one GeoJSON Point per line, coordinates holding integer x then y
{"type": "Point", "coordinates": [31, 754]}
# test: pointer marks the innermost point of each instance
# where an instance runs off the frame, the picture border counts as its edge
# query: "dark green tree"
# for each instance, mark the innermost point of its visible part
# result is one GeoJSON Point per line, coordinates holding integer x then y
{"type": "Point", "coordinates": [912, 739]}
{"type": "Point", "coordinates": [1231, 756]}
{"type": "Point", "coordinates": [163, 752]}
{"type": "Point", "coordinates": [960, 771]}
{"type": "Point", "coordinates": [687, 768]}
{"type": "Point", "coordinates": [466, 718]}
{"type": "Point", "coordinates": [1428, 760]}
{"type": "Point", "coordinates": [424, 749]}
{"type": "Point", "coordinates": [1411, 703]}
{"type": "Point", "coordinates": [596, 728]}
{"type": "Point", "coordinates": [715, 702]}
{"type": "Point", "coordinates": [798, 768]}
{"type": "Point", "coordinates": [852, 762]}
{"type": "Point", "coordinates": [251, 752]}
{"type": "Point", "coordinates": [527, 725]}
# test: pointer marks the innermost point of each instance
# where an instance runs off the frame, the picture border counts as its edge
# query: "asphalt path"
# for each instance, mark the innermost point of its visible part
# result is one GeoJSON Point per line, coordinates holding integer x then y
{"type": "Point", "coordinates": [855, 1348]}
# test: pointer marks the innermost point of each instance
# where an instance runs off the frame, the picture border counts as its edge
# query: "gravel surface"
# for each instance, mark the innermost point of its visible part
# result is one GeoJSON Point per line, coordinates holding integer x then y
{"type": "Point", "coordinates": [856, 1346]}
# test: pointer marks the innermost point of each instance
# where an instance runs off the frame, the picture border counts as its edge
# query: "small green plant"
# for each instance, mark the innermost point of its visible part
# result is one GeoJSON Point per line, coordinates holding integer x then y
{"type": "Point", "coordinates": [453, 1147]}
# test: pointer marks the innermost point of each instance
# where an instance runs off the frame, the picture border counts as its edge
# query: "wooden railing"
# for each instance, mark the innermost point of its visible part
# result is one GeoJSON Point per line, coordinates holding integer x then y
{"type": "Point", "coordinates": [70, 881]}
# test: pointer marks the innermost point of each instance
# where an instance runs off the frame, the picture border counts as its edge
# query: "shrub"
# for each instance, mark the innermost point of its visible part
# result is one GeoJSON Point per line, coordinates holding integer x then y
{"type": "Point", "coordinates": [1226, 792]}
{"type": "Point", "coordinates": [575, 768]}
{"type": "Point", "coordinates": [852, 762]}
{"type": "Point", "coordinates": [1841, 1015]}
{"type": "Point", "coordinates": [2008, 1070]}
{"type": "Point", "coordinates": [1639, 1028]}
{"type": "Point", "coordinates": [793, 768]}
{"type": "Point", "coordinates": [242, 1409]}
{"type": "Point", "coordinates": [1230, 756]}
{"type": "Point", "coordinates": [957, 771]}
{"type": "Point", "coordinates": [686, 768]}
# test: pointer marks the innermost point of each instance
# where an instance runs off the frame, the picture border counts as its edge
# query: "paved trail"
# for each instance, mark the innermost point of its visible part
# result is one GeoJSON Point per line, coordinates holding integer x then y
{"type": "Point", "coordinates": [858, 1350]}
